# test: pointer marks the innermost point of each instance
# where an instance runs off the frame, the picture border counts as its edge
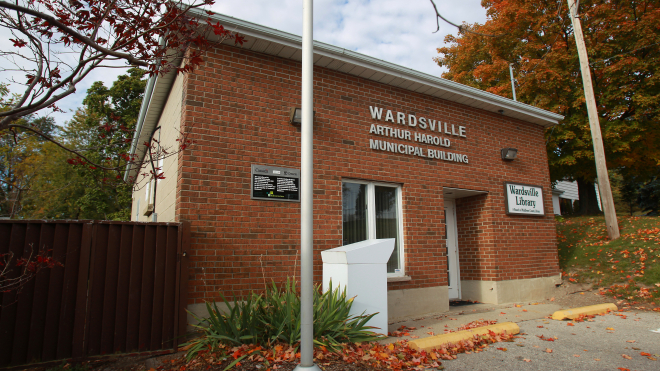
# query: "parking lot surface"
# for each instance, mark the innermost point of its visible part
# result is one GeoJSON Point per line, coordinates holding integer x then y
{"type": "Point", "coordinates": [615, 341]}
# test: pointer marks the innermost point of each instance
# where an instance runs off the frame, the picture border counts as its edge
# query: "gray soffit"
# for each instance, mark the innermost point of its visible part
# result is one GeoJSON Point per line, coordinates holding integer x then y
{"type": "Point", "coordinates": [283, 44]}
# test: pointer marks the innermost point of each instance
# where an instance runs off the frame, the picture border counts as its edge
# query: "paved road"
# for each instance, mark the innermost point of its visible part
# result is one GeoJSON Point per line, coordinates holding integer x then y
{"type": "Point", "coordinates": [598, 344]}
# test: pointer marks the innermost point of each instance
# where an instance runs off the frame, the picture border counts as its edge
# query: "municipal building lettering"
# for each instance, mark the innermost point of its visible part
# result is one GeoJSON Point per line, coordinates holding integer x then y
{"type": "Point", "coordinates": [439, 136]}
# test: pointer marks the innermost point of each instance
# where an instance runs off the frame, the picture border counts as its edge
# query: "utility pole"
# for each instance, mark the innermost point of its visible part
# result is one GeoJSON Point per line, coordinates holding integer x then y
{"type": "Point", "coordinates": [307, 195]}
{"type": "Point", "coordinates": [594, 123]}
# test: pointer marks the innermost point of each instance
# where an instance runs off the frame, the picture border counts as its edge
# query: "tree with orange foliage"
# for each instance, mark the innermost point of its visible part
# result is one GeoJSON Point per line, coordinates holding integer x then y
{"type": "Point", "coordinates": [536, 36]}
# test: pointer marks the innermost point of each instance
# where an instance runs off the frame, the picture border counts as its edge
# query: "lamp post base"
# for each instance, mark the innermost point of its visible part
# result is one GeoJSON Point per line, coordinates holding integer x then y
{"type": "Point", "coordinates": [313, 367]}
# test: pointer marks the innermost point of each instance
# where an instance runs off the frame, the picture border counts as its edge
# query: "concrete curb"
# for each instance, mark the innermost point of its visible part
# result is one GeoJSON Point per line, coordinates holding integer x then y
{"type": "Point", "coordinates": [454, 337]}
{"type": "Point", "coordinates": [589, 310]}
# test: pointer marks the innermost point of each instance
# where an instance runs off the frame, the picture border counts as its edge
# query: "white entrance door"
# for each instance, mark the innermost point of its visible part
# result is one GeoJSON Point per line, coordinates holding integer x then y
{"type": "Point", "coordinates": [453, 274]}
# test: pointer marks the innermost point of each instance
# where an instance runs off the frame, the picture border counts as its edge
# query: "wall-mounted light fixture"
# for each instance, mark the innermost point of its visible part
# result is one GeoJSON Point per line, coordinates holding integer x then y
{"type": "Point", "coordinates": [509, 154]}
{"type": "Point", "coordinates": [295, 116]}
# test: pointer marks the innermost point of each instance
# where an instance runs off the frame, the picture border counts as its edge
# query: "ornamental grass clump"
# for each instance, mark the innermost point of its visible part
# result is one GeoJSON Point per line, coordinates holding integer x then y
{"type": "Point", "coordinates": [274, 317]}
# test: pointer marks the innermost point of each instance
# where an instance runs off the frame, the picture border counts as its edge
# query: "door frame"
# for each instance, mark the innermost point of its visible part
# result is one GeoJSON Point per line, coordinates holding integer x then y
{"type": "Point", "coordinates": [453, 264]}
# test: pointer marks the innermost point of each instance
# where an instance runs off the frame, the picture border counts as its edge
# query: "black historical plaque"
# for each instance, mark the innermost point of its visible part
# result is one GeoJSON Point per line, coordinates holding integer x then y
{"type": "Point", "coordinates": [275, 183]}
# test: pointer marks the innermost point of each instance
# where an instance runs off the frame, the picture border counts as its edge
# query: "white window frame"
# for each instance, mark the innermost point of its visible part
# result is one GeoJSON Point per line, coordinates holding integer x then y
{"type": "Point", "coordinates": [371, 220]}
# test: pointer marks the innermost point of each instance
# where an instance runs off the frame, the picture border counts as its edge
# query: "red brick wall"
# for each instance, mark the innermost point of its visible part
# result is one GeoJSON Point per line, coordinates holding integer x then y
{"type": "Point", "coordinates": [495, 247]}
{"type": "Point", "coordinates": [236, 110]}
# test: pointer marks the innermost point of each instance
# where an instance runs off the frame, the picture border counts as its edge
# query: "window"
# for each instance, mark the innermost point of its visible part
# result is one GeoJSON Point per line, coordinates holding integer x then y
{"type": "Point", "coordinates": [373, 210]}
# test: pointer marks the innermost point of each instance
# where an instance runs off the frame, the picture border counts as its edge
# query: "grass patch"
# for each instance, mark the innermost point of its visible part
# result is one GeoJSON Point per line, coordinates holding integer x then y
{"type": "Point", "coordinates": [627, 268]}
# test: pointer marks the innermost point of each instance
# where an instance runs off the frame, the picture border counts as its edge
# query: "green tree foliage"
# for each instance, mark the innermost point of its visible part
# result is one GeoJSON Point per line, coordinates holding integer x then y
{"type": "Point", "coordinates": [627, 188]}
{"type": "Point", "coordinates": [648, 196]}
{"type": "Point", "coordinates": [536, 36]}
{"type": "Point", "coordinates": [70, 188]}
{"type": "Point", "coordinates": [17, 148]}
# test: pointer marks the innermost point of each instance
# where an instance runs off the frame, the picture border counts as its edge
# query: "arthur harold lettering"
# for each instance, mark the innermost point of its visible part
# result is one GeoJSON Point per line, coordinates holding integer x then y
{"type": "Point", "coordinates": [524, 199]}
{"type": "Point", "coordinates": [275, 183]}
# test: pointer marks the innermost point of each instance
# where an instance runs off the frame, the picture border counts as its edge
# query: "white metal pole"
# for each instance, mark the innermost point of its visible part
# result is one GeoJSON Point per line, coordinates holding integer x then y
{"type": "Point", "coordinates": [307, 195]}
{"type": "Point", "coordinates": [594, 123]}
{"type": "Point", "coordinates": [513, 85]}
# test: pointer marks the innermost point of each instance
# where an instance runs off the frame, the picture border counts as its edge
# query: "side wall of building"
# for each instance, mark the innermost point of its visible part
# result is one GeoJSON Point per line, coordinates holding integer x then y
{"type": "Point", "coordinates": [166, 189]}
{"type": "Point", "coordinates": [236, 108]}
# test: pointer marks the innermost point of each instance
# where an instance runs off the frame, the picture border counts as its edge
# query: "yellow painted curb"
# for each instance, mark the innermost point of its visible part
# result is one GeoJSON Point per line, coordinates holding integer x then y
{"type": "Point", "coordinates": [454, 337]}
{"type": "Point", "coordinates": [589, 310]}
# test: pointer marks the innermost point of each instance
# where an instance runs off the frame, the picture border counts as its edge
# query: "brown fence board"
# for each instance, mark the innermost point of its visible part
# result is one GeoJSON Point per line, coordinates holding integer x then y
{"type": "Point", "coordinates": [39, 301]}
{"type": "Point", "coordinates": [5, 235]}
{"type": "Point", "coordinates": [120, 288]}
{"type": "Point", "coordinates": [97, 289]}
{"type": "Point", "coordinates": [82, 292]}
{"type": "Point", "coordinates": [135, 290]}
{"type": "Point", "coordinates": [67, 309]}
{"type": "Point", "coordinates": [25, 297]}
{"type": "Point", "coordinates": [169, 298]}
{"type": "Point", "coordinates": [55, 289]}
{"type": "Point", "coordinates": [147, 297]}
{"type": "Point", "coordinates": [182, 282]}
{"type": "Point", "coordinates": [110, 292]}
{"type": "Point", "coordinates": [124, 275]}
{"type": "Point", "coordinates": [159, 278]}
{"type": "Point", "coordinates": [9, 307]}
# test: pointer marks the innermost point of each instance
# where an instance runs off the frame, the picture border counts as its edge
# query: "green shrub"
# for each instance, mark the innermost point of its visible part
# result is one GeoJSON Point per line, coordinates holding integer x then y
{"type": "Point", "coordinates": [274, 317]}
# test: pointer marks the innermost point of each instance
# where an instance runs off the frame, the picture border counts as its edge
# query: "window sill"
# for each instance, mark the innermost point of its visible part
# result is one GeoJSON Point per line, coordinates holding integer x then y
{"type": "Point", "coordinates": [399, 279]}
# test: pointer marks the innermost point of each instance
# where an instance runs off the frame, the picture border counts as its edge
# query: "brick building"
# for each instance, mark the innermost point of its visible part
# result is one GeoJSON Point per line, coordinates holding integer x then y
{"type": "Point", "coordinates": [397, 153]}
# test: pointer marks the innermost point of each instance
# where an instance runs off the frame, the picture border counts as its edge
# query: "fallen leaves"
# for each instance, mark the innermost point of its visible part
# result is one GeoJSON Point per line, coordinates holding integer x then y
{"type": "Point", "coordinates": [626, 356]}
{"type": "Point", "coordinates": [629, 259]}
{"type": "Point", "coordinates": [548, 350]}
{"type": "Point", "coordinates": [402, 331]}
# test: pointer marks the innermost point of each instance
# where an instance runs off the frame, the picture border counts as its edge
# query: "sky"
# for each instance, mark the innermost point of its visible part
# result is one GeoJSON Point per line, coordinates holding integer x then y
{"type": "Point", "coordinates": [397, 31]}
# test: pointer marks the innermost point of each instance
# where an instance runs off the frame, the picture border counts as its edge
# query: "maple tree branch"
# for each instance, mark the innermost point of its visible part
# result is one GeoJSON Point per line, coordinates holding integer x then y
{"type": "Point", "coordinates": [460, 28]}
{"type": "Point", "coordinates": [82, 38]}
{"type": "Point", "coordinates": [47, 101]}
{"type": "Point", "coordinates": [158, 28]}
{"type": "Point", "coordinates": [37, 45]}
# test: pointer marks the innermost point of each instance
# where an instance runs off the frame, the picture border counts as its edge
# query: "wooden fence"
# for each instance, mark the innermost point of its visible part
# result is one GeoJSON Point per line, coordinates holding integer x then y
{"type": "Point", "coordinates": [122, 288]}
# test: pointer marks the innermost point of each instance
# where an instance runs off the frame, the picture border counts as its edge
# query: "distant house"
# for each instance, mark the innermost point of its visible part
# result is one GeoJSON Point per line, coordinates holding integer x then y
{"type": "Point", "coordinates": [564, 196]}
